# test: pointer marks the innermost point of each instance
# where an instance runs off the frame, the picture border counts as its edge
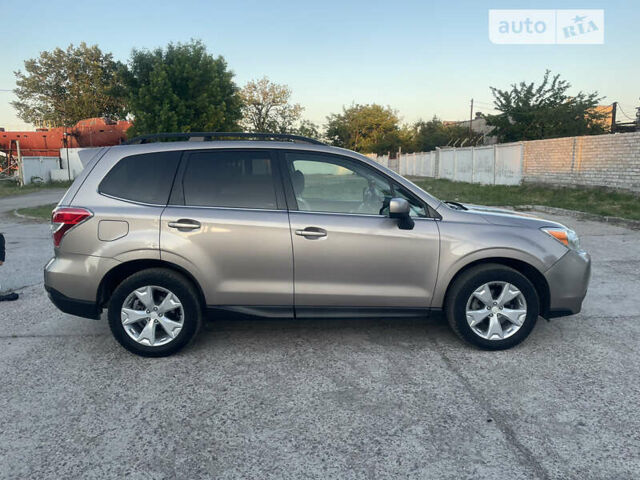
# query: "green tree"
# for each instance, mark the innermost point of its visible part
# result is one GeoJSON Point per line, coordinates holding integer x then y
{"type": "Point", "coordinates": [267, 108]}
{"type": "Point", "coordinates": [181, 88]}
{"type": "Point", "coordinates": [307, 128]}
{"type": "Point", "coordinates": [531, 112]}
{"type": "Point", "coordinates": [434, 133]}
{"type": "Point", "coordinates": [365, 128]}
{"type": "Point", "coordinates": [61, 87]}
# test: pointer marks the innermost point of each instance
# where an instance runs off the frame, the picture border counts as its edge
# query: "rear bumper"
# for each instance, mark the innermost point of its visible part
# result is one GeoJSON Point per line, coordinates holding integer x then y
{"type": "Point", "coordinates": [568, 281]}
{"type": "Point", "coordinates": [72, 282]}
{"type": "Point", "coordinates": [73, 306]}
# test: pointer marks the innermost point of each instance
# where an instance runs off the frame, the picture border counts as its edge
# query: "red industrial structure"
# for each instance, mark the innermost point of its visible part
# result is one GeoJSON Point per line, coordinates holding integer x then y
{"type": "Point", "coordinates": [92, 132]}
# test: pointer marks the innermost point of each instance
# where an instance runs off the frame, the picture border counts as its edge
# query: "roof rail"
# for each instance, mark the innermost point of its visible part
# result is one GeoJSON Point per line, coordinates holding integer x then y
{"type": "Point", "coordinates": [206, 136]}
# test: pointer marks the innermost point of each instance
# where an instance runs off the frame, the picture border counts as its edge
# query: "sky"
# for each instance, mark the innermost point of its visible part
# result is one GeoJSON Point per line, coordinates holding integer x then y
{"type": "Point", "coordinates": [422, 58]}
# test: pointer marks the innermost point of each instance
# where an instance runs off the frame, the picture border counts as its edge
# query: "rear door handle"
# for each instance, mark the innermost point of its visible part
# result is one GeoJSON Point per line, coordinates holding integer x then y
{"type": "Point", "coordinates": [312, 232]}
{"type": "Point", "coordinates": [185, 224]}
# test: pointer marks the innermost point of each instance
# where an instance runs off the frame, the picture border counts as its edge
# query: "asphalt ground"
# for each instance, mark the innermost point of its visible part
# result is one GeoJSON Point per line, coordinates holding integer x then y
{"type": "Point", "coordinates": [381, 398]}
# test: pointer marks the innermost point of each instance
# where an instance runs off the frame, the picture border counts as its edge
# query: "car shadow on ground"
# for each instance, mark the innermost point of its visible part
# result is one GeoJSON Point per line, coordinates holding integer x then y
{"type": "Point", "coordinates": [431, 332]}
{"type": "Point", "coordinates": [415, 330]}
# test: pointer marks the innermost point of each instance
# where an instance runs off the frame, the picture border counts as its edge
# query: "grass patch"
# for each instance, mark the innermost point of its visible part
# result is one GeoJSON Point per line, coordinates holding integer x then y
{"type": "Point", "coordinates": [599, 201]}
{"type": "Point", "coordinates": [10, 187]}
{"type": "Point", "coordinates": [42, 212]}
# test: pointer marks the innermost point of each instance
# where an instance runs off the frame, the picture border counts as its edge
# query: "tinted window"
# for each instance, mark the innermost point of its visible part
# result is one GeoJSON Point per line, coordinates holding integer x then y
{"type": "Point", "coordinates": [229, 179]}
{"type": "Point", "coordinates": [145, 178]}
{"type": "Point", "coordinates": [324, 183]}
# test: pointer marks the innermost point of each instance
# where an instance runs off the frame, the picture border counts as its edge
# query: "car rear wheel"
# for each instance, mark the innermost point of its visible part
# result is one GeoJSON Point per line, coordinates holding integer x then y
{"type": "Point", "coordinates": [154, 312]}
{"type": "Point", "coordinates": [492, 306]}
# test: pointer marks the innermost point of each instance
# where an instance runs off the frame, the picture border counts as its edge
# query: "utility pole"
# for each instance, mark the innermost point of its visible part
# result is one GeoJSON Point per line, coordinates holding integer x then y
{"type": "Point", "coordinates": [614, 107]}
{"type": "Point", "coordinates": [65, 137]}
{"type": "Point", "coordinates": [471, 118]}
{"type": "Point", "coordinates": [20, 164]}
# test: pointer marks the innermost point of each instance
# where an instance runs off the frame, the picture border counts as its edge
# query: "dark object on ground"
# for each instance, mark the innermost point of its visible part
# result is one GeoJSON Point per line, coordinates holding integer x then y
{"type": "Point", "coordinates": [9, 297]}
{"type": "Point", "coordinates": [2, 248]}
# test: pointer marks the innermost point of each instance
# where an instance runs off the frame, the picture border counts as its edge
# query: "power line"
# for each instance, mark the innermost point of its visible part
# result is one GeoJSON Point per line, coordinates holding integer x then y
{"type": "Point", "coordinates": [485, 105]}
{"type": "Point", "coordinates": [628, 106]}
{"type": "Point", "coordinates": [622, 111]}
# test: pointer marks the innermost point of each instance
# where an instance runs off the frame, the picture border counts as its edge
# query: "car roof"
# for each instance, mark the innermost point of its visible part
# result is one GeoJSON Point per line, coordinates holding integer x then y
{"type": "Point", "coordinates": [230, 144]}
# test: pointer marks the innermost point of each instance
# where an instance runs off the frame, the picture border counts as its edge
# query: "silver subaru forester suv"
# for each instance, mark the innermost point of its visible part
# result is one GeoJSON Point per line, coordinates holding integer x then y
{"type": "Point", "coordinates": [161, 232]}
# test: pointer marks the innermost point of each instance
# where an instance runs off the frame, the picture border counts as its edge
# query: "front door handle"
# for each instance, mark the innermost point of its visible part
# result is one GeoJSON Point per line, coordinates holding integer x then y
{"type": "Point", "coordinates": [312, 232]}
{"type": "Point", "coordinates": [185, 224]}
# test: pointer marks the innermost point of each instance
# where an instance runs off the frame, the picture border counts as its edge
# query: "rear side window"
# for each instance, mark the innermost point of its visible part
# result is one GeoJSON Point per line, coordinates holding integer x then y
{"type": "Point", "coordinates": [145, 178]}
{"type": "Point", "coordinates": [240, 179]}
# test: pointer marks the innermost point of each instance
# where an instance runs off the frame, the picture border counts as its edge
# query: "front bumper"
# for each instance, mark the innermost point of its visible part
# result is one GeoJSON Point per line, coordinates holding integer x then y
{"type": "Point", "coordinates": [568, 281]}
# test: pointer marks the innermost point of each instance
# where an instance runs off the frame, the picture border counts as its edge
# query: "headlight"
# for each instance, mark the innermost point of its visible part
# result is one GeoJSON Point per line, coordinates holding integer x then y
{"type": "Point", "coordinates": [566, 236]}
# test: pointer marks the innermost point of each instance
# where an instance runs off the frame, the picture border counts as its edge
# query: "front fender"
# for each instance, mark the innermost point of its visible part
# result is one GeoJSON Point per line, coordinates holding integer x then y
{"type": "Point", "coordinates": [462, 244]}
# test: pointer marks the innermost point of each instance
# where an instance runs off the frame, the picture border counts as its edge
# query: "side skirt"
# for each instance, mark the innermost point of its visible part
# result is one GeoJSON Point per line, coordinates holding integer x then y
{"type": "Point", "coordinates": [266, 311]}
{"type": "Point", "coordinates": [277, 311]}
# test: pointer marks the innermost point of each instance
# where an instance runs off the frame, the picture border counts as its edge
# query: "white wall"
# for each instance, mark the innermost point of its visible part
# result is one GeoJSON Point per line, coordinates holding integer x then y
{"type": "Point", "coordinates": [38, 167]}
{"type": "Point", "coordinates": [484, 165]}
{"type": "Point", "coordinates": [464, 165]}
{"type": "Point", "coordinates": [78, 157]}
{"type": "Point", "coordinates": [492, 165]}
{"type": "Point", "coordinates": [382, 159]}
{"type": "Point", "coordinates": [508, 164]}
{"type": "Point", "coordinates": [420, 164]}
{"type": "Point", "coordinates": [447, 164]}
{"type": "Point", "coordinates": [48, 168]}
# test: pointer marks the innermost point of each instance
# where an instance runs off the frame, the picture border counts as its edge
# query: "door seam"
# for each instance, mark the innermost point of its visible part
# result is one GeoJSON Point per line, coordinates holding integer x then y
{"type": "Point", "coordinates": [293, 266]}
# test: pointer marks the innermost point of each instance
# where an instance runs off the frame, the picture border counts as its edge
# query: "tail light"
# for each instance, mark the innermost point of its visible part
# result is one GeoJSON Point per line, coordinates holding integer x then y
{"type": "Point", "coordinates": [64, 219]}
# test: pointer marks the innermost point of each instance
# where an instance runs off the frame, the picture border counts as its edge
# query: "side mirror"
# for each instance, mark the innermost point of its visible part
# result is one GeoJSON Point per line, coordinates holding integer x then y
{"type": "Point", "coordinates": [399, 208]}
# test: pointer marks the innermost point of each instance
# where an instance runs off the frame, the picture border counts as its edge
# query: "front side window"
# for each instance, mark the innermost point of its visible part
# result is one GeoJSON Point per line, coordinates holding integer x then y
{"type": "Point", "coordinates": [240, 179]}
{"type": "Point", "coordinates": [144, 178]}
{"type": "Point", "coordinates": [325, 183]}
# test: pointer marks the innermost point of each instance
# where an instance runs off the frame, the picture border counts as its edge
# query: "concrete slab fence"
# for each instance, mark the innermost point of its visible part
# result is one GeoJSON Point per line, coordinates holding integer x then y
{"type": "Point", "coordinates": [38, 169]}
{"type": "Point", "coordinates": [491, 165]}
{"type": "Point", "coordinates": [56, 169]}
{"type": "Point", "coordinates": [592, 160]}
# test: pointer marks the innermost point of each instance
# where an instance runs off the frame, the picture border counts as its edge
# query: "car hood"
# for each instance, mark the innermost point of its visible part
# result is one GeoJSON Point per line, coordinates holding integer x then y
{"type": "Point", "coordinates": [503, 216]}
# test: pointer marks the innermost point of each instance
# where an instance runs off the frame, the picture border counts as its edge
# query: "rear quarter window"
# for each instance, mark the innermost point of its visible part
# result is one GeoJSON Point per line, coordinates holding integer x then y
{"type": "Point", "coordinates": [145, 178]}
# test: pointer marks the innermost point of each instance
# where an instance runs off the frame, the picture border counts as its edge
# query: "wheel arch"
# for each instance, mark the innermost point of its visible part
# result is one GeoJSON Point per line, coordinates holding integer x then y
{"type": "Point", "coordinates": [120, 272]}
{"type": "Point", "coordinates": [532, 273]}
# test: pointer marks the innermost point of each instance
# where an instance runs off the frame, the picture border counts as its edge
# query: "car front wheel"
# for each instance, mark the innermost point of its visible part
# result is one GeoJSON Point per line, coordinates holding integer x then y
{"type": "Point", "coordinates": [492, 306]}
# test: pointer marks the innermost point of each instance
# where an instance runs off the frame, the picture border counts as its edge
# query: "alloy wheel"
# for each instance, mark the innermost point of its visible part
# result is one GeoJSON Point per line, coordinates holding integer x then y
{"type": "Point", "coordinates": [496, 310]}
{"type": "Point", "coordinates": [152, 316]}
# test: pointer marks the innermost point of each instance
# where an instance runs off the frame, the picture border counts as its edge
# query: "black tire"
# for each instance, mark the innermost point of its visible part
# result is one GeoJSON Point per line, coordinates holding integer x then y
{"type": "Point", "coordinates": [468, 282]}
{"type": "Point", "coordinates": [172, 281]}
